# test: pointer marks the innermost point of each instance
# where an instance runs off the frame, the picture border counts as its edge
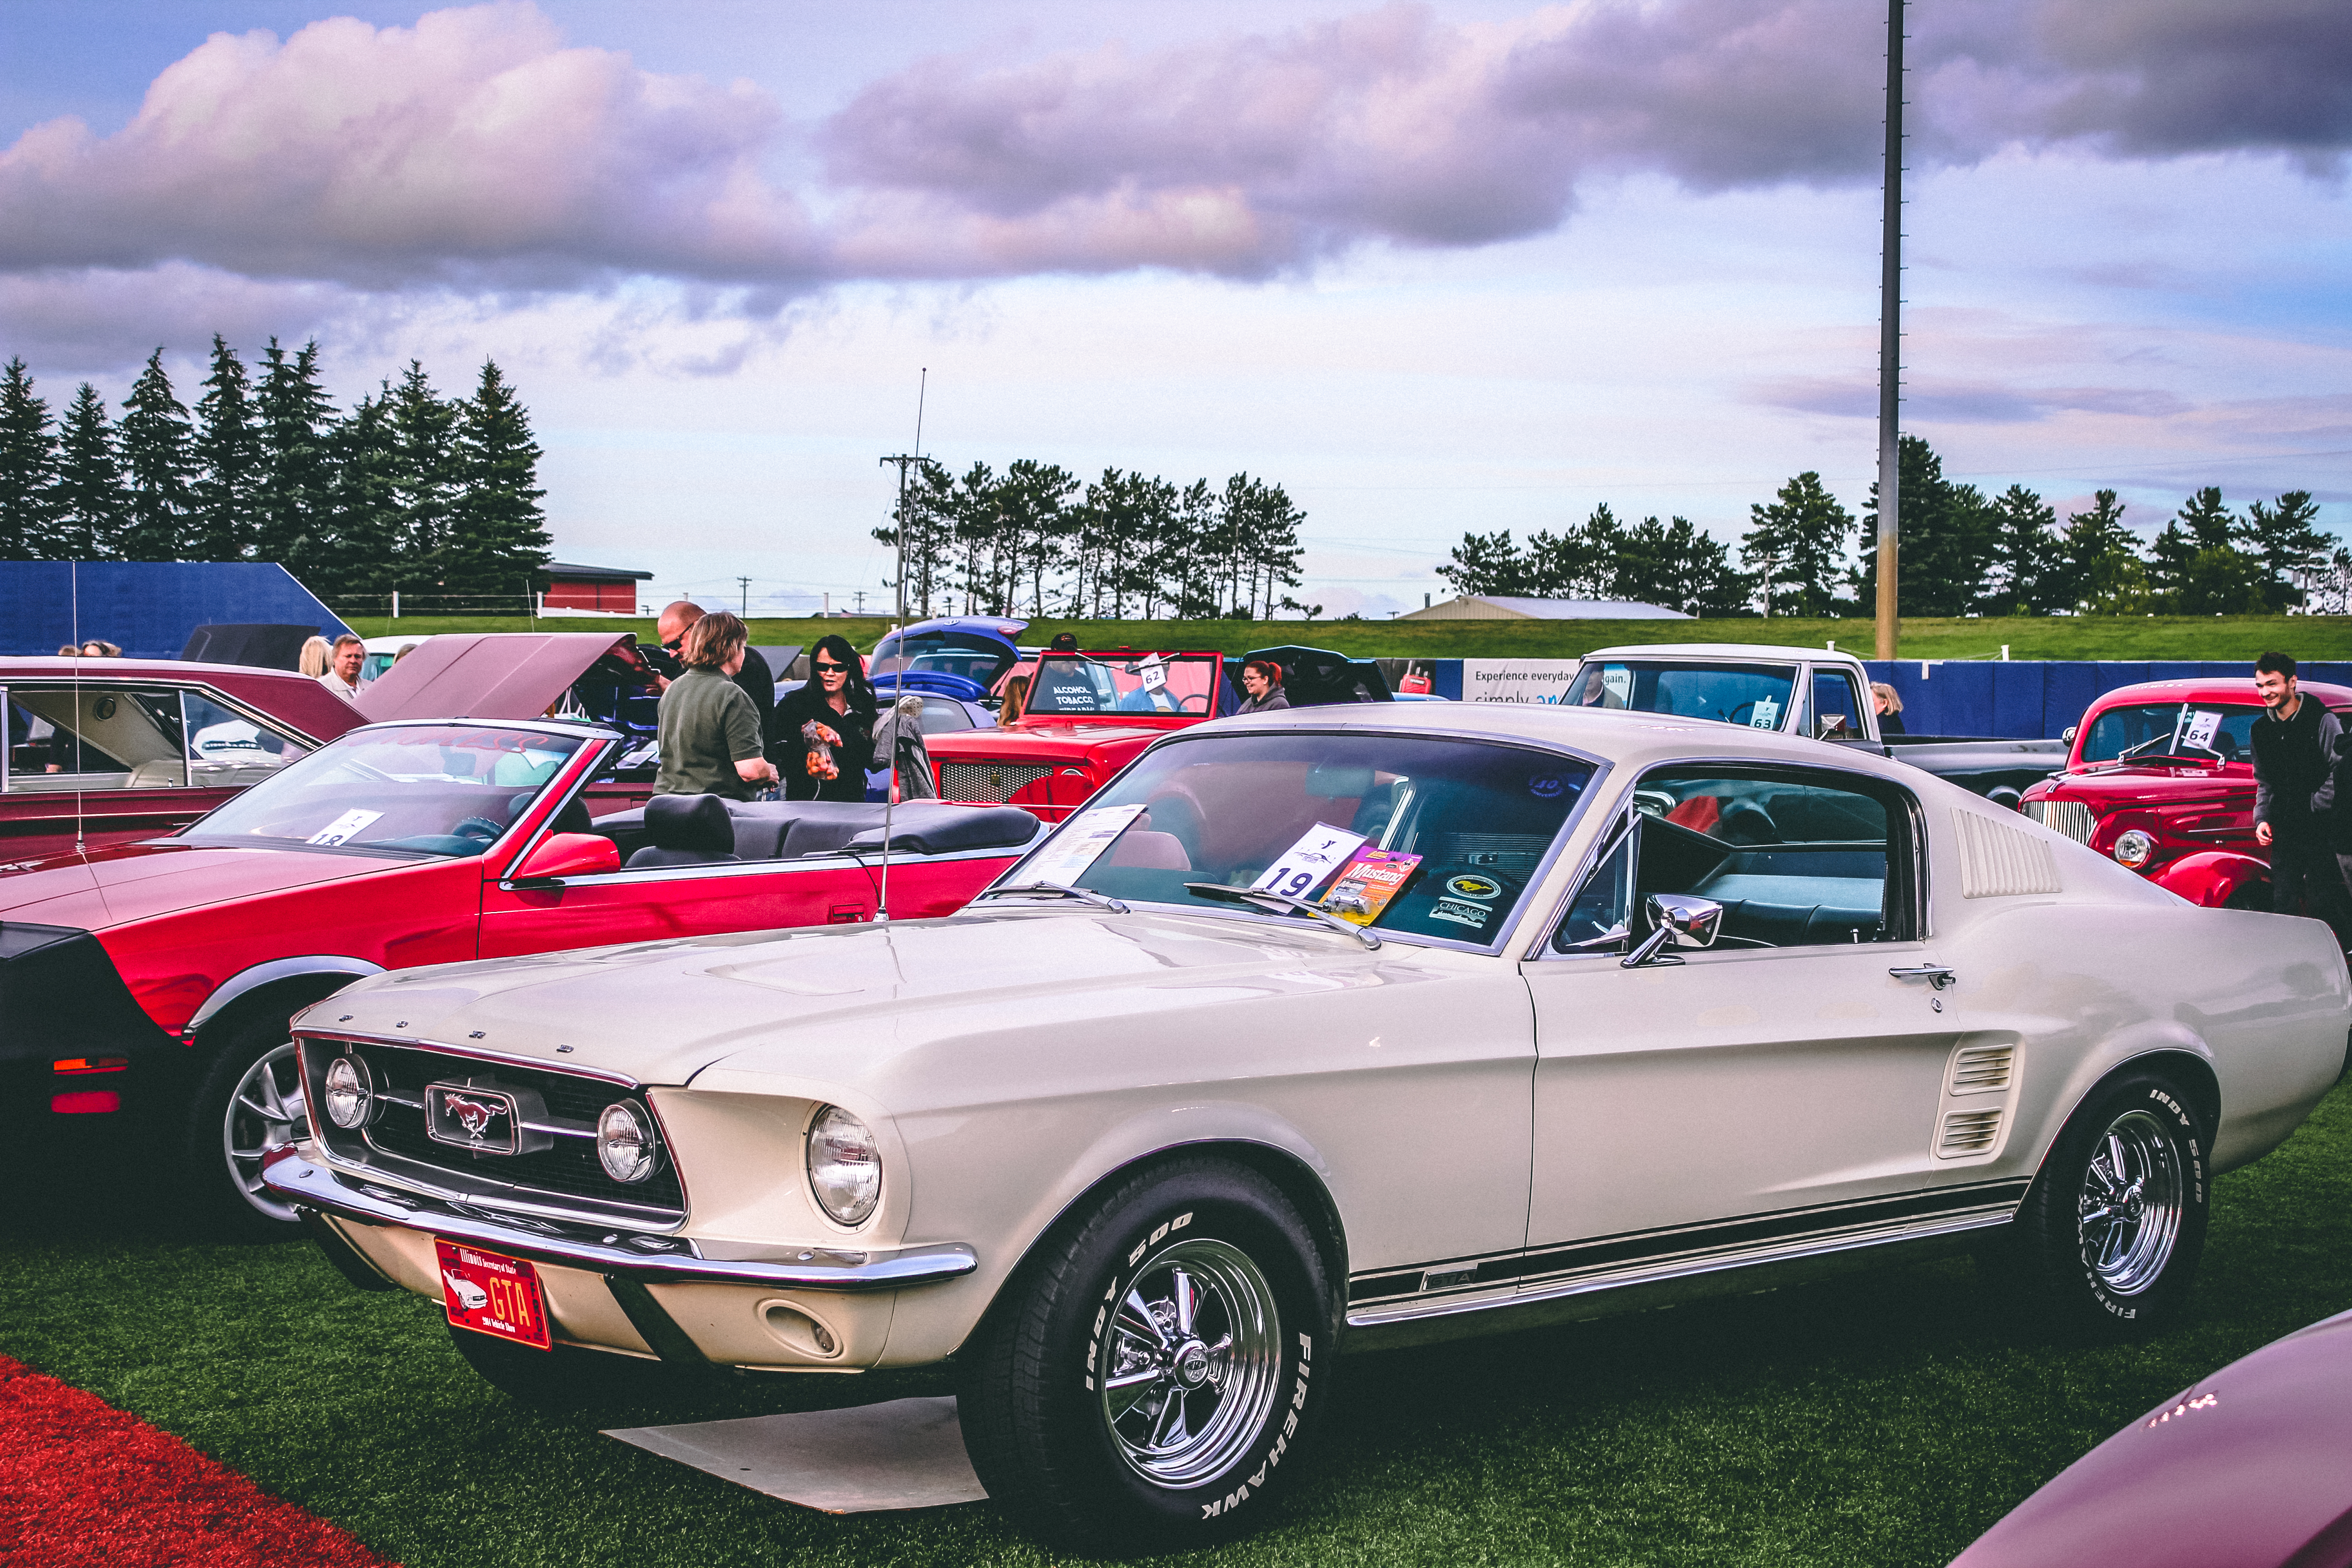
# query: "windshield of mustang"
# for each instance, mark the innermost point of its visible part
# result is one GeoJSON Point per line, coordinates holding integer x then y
{"type": "Point", "coordinates": [426, 789]}
{"type": "Point", "coordinates": [1422, 835]}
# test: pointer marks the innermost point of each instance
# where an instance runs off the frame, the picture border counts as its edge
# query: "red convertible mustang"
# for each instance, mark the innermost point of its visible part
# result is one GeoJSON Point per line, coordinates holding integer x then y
{"type": "Point", "coordinates": [148, 985]}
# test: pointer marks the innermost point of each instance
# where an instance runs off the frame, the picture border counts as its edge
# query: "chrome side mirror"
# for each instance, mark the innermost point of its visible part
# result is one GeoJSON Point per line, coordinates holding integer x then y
{"type": "Point", "coordinates": [1681, 918]}
{"type": "Point", "coordinates": [2069, 733]}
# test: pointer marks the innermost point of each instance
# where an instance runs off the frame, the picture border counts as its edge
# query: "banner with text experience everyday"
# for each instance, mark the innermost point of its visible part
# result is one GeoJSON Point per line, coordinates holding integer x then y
{"type": "Point", "coordinates": [1517, 680]}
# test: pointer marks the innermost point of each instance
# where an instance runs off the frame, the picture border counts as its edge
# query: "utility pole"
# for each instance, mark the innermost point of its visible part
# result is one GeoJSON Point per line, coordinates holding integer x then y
{"type": "Point", "coordinates": [861, 601]}
{"type": "Point", "coordinates": [1890, 340]}
{"type": "Point", "coordinates": [905, 460]}
{"type": "Point", "coordinates": [745, 583]}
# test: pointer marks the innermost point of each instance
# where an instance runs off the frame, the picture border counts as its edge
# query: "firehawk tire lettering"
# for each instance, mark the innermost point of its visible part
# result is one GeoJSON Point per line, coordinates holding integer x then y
{"type": "Point", "coordinates": [1176, 1404]}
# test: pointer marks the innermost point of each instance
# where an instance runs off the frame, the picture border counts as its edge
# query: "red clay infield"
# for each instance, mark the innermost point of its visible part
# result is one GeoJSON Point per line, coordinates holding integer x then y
{"type": "Point", "coordinates": [84, 1483]}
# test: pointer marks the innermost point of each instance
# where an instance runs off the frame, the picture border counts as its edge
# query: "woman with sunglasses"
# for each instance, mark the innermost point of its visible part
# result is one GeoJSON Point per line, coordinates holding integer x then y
{"type": "Point", "coordinates": [824, 731]}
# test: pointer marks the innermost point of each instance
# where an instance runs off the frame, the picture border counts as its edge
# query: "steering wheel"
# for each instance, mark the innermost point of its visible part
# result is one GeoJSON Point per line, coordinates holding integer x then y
{"type": "Point", "coordinates": [1743, 714]}
{"type": "Point", "coordinates": [1184, 704]}
{"type": "Point", "coordinates": [488, 830]}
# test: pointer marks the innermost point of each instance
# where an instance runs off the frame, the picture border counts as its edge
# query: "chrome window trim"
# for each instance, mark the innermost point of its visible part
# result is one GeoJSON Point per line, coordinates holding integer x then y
{"type": "Point", "coordinates": [832, 861]}
{"type": "Point", "coordinates": [1923, 916]}
{"type": "Point", "coordinates": [181, 683]}
{"type": "Point", "coordinates": [1602, 768]}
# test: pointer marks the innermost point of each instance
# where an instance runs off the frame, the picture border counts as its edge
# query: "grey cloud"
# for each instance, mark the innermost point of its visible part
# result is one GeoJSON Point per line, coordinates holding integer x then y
{"type": "Point", "coordinates": [1955, 402]}
{"type": "Point", "coordinates": [477, 151]}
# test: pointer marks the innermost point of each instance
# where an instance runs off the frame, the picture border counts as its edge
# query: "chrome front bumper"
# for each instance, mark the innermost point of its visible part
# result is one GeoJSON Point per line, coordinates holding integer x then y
{"type": "Point", "coordinates": [309, 1184]}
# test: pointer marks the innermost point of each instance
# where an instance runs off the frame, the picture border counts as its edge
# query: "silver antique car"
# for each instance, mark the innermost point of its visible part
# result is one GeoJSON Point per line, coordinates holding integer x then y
{"type": "Point", "coordinates": [1315, 1031]}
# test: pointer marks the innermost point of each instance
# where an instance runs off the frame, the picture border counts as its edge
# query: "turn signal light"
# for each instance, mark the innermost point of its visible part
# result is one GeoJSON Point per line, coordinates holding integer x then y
{"type": "Point", "coordinates": [90, 1064]}
{"type": "Point", "coordinates": [86, 1102]}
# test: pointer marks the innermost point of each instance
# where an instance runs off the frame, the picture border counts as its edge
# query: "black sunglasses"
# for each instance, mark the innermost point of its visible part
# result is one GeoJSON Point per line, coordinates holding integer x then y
{"type": "Point", "coordinates": [821, 666]}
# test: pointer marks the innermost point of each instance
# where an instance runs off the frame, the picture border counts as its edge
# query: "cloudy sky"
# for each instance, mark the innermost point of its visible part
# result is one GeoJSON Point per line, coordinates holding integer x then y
{"type": "Point", "coordinates": [1433, 267]}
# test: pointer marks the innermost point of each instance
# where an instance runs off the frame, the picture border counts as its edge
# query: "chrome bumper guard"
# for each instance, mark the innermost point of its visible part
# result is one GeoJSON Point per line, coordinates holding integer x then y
{"type": "Point", "coordinates": [310, 1185]}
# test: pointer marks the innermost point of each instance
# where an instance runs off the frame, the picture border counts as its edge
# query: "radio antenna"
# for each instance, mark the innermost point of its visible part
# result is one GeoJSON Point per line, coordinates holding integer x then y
{"type": "Point", "coordinates": [73, 593]}
{"type": "Point", "coordinates": [907, 709]}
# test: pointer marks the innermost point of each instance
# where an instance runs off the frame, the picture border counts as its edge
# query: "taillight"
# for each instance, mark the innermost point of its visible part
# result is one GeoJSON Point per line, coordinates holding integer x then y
{"type": "Point", "coordinates": [86, 1102]}
{"type": "Point", "coordinates": [90, 1064]}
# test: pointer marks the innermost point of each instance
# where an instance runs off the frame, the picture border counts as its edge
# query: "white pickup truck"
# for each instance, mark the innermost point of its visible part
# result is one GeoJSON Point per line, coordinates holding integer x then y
{"type": "Point", "coordinates": [1798, 691]}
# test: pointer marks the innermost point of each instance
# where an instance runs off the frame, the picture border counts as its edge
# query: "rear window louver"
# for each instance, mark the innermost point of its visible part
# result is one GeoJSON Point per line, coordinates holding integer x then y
{"type": "Point", "coordinates": [1997, 861]}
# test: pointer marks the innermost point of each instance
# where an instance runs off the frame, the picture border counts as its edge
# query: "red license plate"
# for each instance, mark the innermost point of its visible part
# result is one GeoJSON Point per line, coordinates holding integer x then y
{"type": "Point", "coordinates": [492, 1294]}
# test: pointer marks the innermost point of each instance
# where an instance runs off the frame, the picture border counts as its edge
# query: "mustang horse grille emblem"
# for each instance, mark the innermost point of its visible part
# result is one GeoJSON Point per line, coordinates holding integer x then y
{"type": "Point", "coordinates": [483, 1121]}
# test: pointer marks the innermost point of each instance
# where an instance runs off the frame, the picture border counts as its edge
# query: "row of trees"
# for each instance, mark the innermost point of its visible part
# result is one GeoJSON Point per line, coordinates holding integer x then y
{"type": "Point", "coordinates": [407, 490]}
{"type": "Point", "coordinates": [1963, 553]}
{"type": "Point", "coordinates": [1038, 540]}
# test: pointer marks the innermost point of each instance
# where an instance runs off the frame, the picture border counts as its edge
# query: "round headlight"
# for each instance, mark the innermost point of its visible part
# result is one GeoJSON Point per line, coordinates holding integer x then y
{"type": "Point", "coordinates": [349, 1094]}
{"type": "Point", "coordinates": [2133, 847]}
{"type": "Point", "coordinates": [845, 1166]}
{"type": "Point", "coordinates": [624, 1142]}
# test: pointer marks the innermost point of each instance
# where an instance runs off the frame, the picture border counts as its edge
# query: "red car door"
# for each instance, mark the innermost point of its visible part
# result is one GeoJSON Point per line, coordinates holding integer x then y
{"type": "Point", "coordinates": [699, 900]}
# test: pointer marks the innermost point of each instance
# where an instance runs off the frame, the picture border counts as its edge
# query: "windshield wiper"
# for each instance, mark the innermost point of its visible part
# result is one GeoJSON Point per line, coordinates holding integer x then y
{"type": "Point", "coordinates": [1281, 900]}
{"type": "Point", "coordinates": [1086, 895]}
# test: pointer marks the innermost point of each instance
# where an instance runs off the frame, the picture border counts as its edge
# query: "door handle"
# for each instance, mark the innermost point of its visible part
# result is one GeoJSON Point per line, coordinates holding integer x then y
{"type": "Point", "coordinates": [1936, 975]}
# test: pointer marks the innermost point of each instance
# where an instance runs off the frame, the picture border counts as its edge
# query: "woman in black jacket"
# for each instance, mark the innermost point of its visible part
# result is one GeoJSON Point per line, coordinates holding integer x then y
{"type": "Point", "coordinates": [824, 731]}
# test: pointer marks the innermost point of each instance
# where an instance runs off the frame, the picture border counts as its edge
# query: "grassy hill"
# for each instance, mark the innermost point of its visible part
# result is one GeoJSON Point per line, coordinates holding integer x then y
{"type": "Point", "coordinates": [2230, 638]}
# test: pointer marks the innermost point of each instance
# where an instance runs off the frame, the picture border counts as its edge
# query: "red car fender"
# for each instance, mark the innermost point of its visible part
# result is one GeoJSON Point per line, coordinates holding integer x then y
{"type": "Point", "coordinates": [2213, 878]}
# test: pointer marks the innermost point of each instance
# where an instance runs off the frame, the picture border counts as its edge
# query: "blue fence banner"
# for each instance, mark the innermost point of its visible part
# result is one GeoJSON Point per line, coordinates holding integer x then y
{"type": "Point", "coordinates": [147, 608]}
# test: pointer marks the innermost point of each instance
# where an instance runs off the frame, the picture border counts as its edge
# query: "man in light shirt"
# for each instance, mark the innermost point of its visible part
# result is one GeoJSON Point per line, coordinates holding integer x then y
{"type": "Point", "coordinates": [342, 677]}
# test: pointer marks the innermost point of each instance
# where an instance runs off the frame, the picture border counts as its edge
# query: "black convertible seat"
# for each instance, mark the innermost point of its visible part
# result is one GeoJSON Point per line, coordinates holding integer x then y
{"type": "Point", "coordinates": [687, 830]}
{"type": "Point", "coordinates": [927, 829]}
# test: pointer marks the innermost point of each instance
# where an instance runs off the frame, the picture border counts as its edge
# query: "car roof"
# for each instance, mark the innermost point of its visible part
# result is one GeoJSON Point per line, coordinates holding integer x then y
{"type": "Point", "coordinates": [1745, 652]}
{"type": "Point", "coordinates": [1621, 736]}
{"type": "Point", "coordinates": [2237, 690]}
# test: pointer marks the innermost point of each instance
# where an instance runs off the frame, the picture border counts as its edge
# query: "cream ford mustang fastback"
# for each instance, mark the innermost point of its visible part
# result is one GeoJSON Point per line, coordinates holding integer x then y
{"type": "Point", "coordinates": [1317, 1031]}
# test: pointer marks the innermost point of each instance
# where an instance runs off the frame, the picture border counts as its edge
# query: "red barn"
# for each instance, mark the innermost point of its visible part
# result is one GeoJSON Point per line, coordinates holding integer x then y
{"type": "Point", "coordinates": [566, 587]}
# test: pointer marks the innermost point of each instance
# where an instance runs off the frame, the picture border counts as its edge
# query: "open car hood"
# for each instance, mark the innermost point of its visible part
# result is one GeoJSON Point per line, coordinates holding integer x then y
{"type": "Point", "coordinates": [489, 675]}
{"type": "Point", "coordinates": [124, 882]}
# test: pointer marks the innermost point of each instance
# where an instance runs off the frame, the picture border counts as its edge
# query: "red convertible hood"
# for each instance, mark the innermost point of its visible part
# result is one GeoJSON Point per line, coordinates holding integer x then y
{"type": "Point", "coordinates": [487, 675]}
{"type": "Point", "coordinates": [128, 882]}
{"type": "Point", "coordinates": [2244, 1470]}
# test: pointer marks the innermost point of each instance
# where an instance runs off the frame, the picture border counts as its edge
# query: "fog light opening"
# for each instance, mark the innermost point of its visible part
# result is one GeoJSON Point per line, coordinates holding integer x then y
{"type": "Point", "coordinates": [796, 1330]}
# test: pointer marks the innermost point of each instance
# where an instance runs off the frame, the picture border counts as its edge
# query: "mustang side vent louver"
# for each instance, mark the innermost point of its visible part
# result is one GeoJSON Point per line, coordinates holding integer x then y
{"type": "Point", "coordinates": [1968, 1132]}
{"type": "Point", "coordinates": [1980, 1069]}
{"type": "Point", "coordinates": [1997, 861]}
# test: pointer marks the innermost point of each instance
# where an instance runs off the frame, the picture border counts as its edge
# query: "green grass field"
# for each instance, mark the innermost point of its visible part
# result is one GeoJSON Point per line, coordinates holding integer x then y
{"type": "Point", "coordinates": [1883, 1418]}
{"type": "Point", "coordinates": [2113, 637]}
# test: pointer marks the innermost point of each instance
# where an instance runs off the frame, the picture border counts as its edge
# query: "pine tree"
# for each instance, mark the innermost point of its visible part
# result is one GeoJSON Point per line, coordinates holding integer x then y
{"type": "Point", "coordinates": [28, 470]}
{"type": "Point", "coordinates": [1676, 565]}
{"type": "Point", "coordinates": [498, 538]}
{"type": "Point", "coordinates": [2198, 569]}
{"type": "Point", "coordinates": [158, 447]}
{"type": "Point", "coordinates": [295, 415]}
{"type": "Point", "coordinates": [93, 503]}
{"type": "Point", "coordinates": [1797, 549]}
{"type": "Point", "coordinates": [363, 526]}
{"type": "Point", "coordinates": [2286, 540]}
{"type": "Point", "coordinates": [1947, 544]}
{"type": "Point", "coordinates": [2099, 570]}
{"type": "Point", "coordinates": [425, 479]}
{"type": "Point", "coordinates": [228, 455]}
{"type": "Point", "coordinates": [2024, 537]}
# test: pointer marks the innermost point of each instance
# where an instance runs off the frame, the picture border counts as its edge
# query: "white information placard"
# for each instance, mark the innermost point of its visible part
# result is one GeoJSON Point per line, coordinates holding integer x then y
{"type": "Point", "coordinates": [342, 827]}
{"type": "Point", "coordinates": [2204, 725]}
{"type": "Point", "coordinates": [1308, 863]}
{"type": "Point", "coordinates": [1154, 672]}
{"type": "Point", "coordinates": [1766, 715]}
{"type": "Point", "coordinates": [1080, 844]}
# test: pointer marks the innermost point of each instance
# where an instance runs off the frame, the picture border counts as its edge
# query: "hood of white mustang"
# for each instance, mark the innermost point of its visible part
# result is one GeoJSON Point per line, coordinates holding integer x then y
{"type": "Point", "coordinates": [845, 1004]}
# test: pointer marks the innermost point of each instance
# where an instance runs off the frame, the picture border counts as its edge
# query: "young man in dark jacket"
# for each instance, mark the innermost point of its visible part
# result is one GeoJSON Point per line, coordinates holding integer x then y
{"type": "Point", "coordinates": [2295, 791]}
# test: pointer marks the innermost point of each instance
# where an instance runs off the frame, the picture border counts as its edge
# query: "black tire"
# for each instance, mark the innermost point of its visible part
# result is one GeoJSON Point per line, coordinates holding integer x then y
{"type": "Point", "coordinates": [2255, 896]}
{"type": "Point", "coordinates": [249, 1101]}
{"type": "Point", "coordinates": [2107, 1244]}
{"type": "Point", "coordinates": [1044, 1425]}
{"type": "Point", "coordinates": [560, 1378]}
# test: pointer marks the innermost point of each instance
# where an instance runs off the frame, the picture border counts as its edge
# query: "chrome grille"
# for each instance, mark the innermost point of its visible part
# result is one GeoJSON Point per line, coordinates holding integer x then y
{"type": "Point", "coordinates": [2070, 817]}
{"type": "Point", "coordinates": [990, 784]}
{"type": "Point", "coordinates": [567, 1174]}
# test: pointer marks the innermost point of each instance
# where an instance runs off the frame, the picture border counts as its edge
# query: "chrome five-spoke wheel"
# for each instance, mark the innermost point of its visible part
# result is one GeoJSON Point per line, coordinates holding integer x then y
{"type": "Point", "coordinates": [1193, 1362]}
{"type": "Point", "coordinates": [265, 1115]}
{"type": "Point", "coordinates": [2130, 1204]}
